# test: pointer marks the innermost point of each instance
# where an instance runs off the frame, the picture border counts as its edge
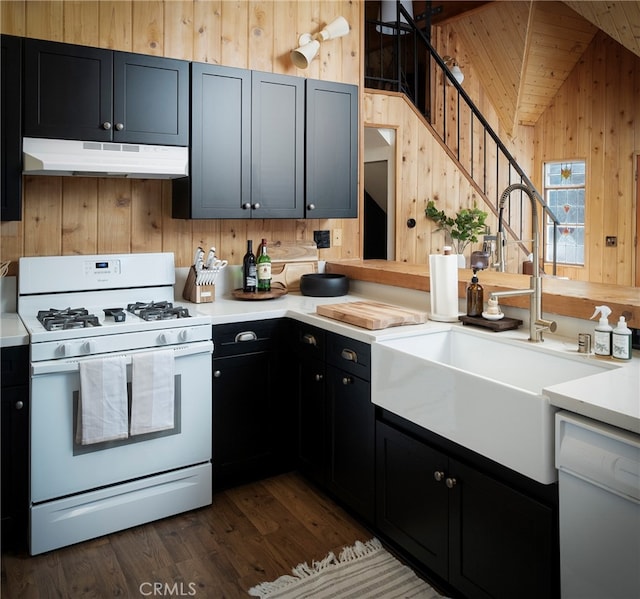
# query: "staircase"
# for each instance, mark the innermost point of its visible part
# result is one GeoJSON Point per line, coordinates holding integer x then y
{"type": "Point", "coordinates": [400, 58]}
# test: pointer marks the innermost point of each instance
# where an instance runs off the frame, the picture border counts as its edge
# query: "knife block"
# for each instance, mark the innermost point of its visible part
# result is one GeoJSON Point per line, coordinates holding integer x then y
{"type": "Point", "coordinates": [198, 294]}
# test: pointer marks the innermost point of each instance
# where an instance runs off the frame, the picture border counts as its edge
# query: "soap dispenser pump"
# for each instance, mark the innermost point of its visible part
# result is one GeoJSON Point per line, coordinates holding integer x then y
{"type": "Point", "coordinates": [475, 296]}
{"type": "Point", "coordinates": [621, 340]}
{"type": "Point", "coordinates": [603, 331]}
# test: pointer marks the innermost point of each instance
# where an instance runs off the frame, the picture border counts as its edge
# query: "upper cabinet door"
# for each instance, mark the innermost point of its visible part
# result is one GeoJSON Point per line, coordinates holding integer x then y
{"type": "Point", "coordinates": [220, 181]}
{"type": "Point", "coordinates": [10, 128]}
{"type": "Point", "coordinates": [150, 100]}
{"type": "Point", "coordinates": [277, 146]}
{"type": "Point", "coordinates": [332, 150]}
{"type": "Point", "coordinates": [67, 91]}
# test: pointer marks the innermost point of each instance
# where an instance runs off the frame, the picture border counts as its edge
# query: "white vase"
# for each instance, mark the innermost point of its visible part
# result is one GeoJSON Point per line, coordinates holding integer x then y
{"type": "Point", "coordinates": [462, 261]}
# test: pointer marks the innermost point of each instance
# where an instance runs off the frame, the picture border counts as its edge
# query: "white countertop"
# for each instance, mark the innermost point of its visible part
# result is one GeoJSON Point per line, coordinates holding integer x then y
{"type": "Point", "coordinates": [612, 397]}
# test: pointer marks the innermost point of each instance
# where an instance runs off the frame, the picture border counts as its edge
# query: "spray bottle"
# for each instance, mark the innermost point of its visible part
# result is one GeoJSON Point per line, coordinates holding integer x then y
{"type": "Point", "coordinates": [602, 335]}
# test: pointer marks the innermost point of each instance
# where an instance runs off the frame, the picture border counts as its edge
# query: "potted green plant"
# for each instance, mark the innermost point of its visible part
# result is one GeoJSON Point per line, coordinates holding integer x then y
{"type": "Point", "coordinates": [463, 229]}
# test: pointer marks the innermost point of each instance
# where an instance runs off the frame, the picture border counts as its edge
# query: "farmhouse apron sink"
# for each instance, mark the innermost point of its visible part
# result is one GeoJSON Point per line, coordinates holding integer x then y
{"type": "Point", "coordinates": [483, 393]}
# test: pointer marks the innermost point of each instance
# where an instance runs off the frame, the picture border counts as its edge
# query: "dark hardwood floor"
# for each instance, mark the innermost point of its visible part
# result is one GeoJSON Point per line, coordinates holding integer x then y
{"type": "Point", "coordinates": [251, 534]}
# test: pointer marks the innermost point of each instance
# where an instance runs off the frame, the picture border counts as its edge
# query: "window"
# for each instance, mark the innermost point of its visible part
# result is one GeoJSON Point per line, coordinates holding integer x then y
{"type": "Point", "coordinates": [564, 189]}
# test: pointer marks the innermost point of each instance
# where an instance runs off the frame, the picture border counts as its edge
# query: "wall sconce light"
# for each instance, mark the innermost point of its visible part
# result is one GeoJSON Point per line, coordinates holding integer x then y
{"type": "Point", "coordinates": [454, 69]}
{"type": "Point", "coordinates": [309, 45]}
{"type": "Point", "coordinates": [389, 14]}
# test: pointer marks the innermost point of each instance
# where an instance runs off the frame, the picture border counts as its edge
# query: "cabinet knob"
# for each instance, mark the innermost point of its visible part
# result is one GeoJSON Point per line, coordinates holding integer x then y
{"type": "Point", "coordinates": [106, 125]}
{"type": "Point", "coordinates": [311, 206]}
{"type": "Point", "coordinates": [217, 374]}
{"type": "Point", "coordinates": [119, 126]}
{"type": "Point", "coordinates": [450, 482]}
{"type": "Point", "coordinates": [347, 380]}
{"type": "Point", "coordinates": [19, 405]}
{"type": "Point", "coordinates": [438, 475]}
{"type": "Point", "coordinates": [318, 377]}
{"type": "Point", "coordinates": [246, 206]}
{"type": "Point", "coordinates": [246, 336]}
{"type": "Point", "coordinates": [256, 206]}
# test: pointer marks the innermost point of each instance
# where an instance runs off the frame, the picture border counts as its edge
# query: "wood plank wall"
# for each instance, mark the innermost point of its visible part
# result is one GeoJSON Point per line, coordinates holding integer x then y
{"type": "Point", "coordinates": [596, 116]}
{"type": "Point", "coordinates": [64, 215]}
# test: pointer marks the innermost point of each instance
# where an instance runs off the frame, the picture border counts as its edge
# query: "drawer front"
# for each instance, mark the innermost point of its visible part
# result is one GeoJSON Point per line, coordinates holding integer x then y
{"type": "Point", "coordinates": [245, 337]}
{"type": "Point", "coordinates": [349, 355]}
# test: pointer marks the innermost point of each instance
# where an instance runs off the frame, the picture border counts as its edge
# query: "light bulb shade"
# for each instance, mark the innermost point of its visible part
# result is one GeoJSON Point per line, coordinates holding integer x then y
{"type": "Point", "coordinates": [337, 28]}
{"type": "Point", "coordinates": [389, 14]}
{"type": "Point", "coordinates": [458, 75]}
{"type": "Point", "coordinates": [302, 56]}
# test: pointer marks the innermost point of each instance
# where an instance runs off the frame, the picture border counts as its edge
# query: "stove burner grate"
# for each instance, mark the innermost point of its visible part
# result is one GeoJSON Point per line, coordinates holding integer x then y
{"type": "Point", "coordinates": [55, 319]}
{"type": "Point", "coordinates": [157, 310]}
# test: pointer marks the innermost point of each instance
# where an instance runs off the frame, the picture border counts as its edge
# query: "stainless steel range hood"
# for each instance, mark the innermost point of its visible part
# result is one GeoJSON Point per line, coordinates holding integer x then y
{"type": "Point", "coordinates": [103, 159]}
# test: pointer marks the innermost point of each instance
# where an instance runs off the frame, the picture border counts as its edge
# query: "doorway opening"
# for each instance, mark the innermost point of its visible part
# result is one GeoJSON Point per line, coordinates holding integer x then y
{"type": "Point", "coordinates": [379, 194]}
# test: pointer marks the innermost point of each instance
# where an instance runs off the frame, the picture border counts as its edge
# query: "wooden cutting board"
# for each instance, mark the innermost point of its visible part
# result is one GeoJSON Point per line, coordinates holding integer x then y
{"type": "Point", "coordinates": [371, 315]}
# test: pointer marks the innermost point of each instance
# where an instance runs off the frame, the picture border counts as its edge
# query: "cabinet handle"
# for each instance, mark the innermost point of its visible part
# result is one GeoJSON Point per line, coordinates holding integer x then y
{"type": "Point", "coordinates": [119, 126]}
{"type": "Point", "coordinates": [106, 125]}
{"type": "Point", "coordinates": [311, 206]}
{"type": "Point", "coordinates": [309, 339]}
{"type": "Point", "coordinates": [246, 336]}
{"type": "Point", "coordinates": [349, 354]}
{"type": "Point", "coordinates": [438, 475]}
{"type": "Point", "coordinates": [318, 377]}
{"type": "Point", "coordinates": [450, 482]}
{"type": "Point", "coordinates": [246, 206]}
{"type": "Point", "coordinates": [217, 374]}
{"type": "Point", "coordinates": [256, 206]}
{"type": "Point", "coordinates": [347, 380]}
{"type": "Point", "coordinates": [19, 405]}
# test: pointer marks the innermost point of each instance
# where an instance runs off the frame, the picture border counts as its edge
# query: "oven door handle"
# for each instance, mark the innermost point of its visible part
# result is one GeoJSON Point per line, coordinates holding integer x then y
{"type": "Point", "coordinates": [73, 364]}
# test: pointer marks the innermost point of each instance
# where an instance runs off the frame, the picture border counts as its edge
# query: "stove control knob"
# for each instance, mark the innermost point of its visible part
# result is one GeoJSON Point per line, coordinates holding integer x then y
{"type": "Point", "coordinates": [166, 339]}
{"type": "Point", "coordinates": [184, 335]}
{"type": "Point", "coordinates": [89, 347]}
{"type": "Point", "coordinates": [67, 349]}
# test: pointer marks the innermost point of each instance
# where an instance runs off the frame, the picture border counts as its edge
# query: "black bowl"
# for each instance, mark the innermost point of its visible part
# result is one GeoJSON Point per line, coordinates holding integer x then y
{"type": "Point", "coordinates": [324, 284]}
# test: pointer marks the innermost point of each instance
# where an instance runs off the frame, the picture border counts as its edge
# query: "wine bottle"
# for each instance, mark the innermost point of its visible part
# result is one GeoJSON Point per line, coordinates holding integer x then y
{"type": "Point", "coordinates": [264, 268]}
{"type": "Point", "coordinates": [249, 272]}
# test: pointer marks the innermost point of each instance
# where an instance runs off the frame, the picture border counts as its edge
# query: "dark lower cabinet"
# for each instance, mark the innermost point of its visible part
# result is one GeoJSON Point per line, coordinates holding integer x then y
{"type": "Point", "coordinates": [336, 419]}
{"type": "Point", "coordinates": [484, 537]}
{"type": "Point", "coordinates": [15, 447]}
{"type": "Point", "coordinates": [253, 419]}
{"type": "Point", "coordinates": [11, 128]}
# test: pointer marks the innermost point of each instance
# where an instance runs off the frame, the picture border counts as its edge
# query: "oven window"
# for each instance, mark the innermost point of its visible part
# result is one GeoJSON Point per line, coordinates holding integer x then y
{"type": "Point", "coordinates": [79, 449]}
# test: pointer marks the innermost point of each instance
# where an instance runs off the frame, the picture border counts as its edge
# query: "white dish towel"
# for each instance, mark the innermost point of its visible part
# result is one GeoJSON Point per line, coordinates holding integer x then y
{"type": "Point", "coordinates": [103, 405]}
{"type": "Point", "coordinates": [152, 392]}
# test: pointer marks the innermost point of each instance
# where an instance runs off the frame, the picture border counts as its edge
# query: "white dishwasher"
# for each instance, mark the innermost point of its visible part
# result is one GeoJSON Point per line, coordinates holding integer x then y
{"type": "Point", "coordinates": [599, 486]}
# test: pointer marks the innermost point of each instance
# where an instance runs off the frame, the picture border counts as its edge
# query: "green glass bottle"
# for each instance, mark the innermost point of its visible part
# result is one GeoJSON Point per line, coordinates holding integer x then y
{"type": "Point", "coordinates": [264, 268]}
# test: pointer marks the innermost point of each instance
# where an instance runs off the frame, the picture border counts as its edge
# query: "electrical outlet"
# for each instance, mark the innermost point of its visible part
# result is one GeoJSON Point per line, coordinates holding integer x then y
{"type": "Point", "coordinates": [611, 241]}
{"type": "Point", "coordinates": [322, 239]}
{"type": "Point", "coordinates": [337, 237]}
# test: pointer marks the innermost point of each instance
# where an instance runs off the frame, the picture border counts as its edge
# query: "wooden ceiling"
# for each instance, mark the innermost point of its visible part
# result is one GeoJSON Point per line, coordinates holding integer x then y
{"type": "Point", "coordinates": [524, 50]}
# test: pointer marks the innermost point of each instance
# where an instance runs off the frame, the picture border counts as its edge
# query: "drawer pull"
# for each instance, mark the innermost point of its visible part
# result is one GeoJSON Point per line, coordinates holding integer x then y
{"type": "Point", "coordinates": [347, 380]}
{"type": "Point", "coordinates": [318, 377]}
{"type": "Point", "coordinates": [450, 482]}
{"type": "Point", "coordinates": [309, 339]}
{"type": "Point", "coordinates": [19, 405]}
{"type": "Point", "coordinates": [349, 354]}
{"type": "Point", "coordinates": [438, 475]}
{"type": "Point", "coordinates": [246, 336]}
{"type": "Point", "coordinates": [217, 374]}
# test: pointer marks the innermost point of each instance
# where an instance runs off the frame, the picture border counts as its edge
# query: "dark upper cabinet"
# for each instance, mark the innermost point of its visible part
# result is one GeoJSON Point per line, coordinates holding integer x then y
{"type": "Point", "coordinates": [331, 150]}
{"type": "Point", "coordinates": [78, 92]}
{"type": "Point", "coordinates": [247, 146]}
{"type": "Point", "coordinates": [10, 128]}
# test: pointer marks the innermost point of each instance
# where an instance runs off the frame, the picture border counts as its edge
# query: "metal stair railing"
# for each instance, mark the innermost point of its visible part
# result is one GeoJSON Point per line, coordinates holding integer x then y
{"type": "Point", "coordinates": [399, 57]}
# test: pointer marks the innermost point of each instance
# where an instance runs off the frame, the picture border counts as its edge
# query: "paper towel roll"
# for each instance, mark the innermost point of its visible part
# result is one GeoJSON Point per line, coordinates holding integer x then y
{"type": "Point", "coordinates": [444, 287]}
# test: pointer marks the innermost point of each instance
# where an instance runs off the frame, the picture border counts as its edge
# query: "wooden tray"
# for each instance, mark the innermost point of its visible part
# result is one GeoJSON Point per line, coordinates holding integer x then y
{"type": "Point", "coordinates": [371, 315]}
{"type": "Point", "coordinates": [505, 324]}
{"type": "Point", "coordinates": [259, 295]}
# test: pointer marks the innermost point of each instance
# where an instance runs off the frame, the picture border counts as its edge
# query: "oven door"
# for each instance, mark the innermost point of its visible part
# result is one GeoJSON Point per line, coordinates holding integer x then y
{"type": "Point", "coordinates": [60, 467]}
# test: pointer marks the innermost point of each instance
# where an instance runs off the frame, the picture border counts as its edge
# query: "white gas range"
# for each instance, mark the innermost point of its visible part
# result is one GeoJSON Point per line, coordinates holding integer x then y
{"type": "Point", "coordinates": [101, 311]}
